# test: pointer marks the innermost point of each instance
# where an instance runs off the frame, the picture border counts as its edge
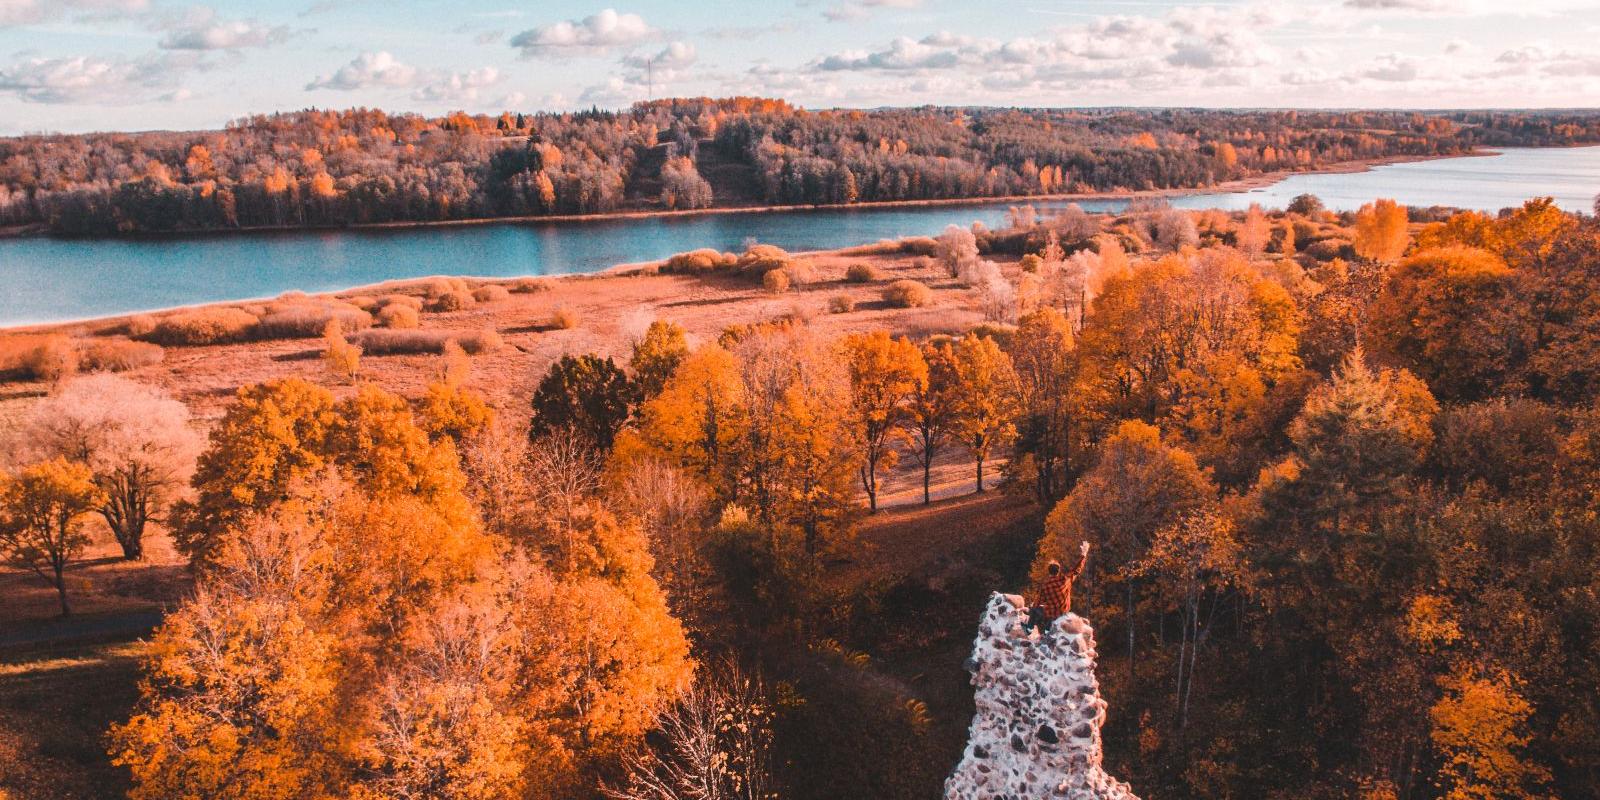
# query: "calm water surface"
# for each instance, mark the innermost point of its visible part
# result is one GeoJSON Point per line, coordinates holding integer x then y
{"type": "Point", "coordinates": [44, 280]}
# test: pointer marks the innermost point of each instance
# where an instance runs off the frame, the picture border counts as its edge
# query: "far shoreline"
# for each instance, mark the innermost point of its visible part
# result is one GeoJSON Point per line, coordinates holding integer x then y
{"type": "Point", "coordinates": [39, 231]}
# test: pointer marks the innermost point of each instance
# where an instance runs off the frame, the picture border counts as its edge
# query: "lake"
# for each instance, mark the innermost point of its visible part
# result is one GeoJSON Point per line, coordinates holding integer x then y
{"type": "Point", "coordinates": [47, 280]}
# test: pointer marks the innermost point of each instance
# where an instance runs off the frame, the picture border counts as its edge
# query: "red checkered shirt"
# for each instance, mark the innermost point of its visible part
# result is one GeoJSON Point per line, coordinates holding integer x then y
{"type": "Point", "coordinates": [1055, 595]}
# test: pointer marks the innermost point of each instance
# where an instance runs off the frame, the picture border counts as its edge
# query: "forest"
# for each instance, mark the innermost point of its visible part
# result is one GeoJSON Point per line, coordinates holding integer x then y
{"type": "Point", "coordinates": [321, 168]}
{"type": "Point", "coordinates": [1339, 471]}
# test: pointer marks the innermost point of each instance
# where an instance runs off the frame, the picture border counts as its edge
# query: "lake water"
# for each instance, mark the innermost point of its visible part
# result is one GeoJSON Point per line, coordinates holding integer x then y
{"type": "Point", "coordinates": [45, 280]}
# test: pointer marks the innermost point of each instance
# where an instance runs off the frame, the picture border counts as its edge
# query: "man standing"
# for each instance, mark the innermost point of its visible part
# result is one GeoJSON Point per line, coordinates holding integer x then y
{"type": "Point", "coordinates": [1054, 597]}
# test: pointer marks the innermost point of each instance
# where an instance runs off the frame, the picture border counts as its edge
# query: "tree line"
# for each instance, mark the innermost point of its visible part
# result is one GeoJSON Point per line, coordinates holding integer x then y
{"type": "Point", "coordinates": [358, 166]}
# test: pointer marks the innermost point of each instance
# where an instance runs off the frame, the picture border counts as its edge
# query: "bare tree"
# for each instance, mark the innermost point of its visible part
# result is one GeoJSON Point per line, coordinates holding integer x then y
{"type": "Point", "coordinates": [715, 744]}
{"type": "Point", "coordinates": [563, 470]}
{"type": "Point", "coordinates": [135, 438]}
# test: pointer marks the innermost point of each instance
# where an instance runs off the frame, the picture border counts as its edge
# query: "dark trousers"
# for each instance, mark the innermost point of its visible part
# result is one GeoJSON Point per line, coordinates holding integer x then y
{"type": "Point", "coordinates": [1037, 618]}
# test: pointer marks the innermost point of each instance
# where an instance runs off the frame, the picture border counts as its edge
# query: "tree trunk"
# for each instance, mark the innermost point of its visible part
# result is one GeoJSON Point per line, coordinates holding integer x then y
{"type": "Point", "coordinates": [927, 470]}
{"type": "Point", "coordinates": [61, 586]}
{"type": "Point", "coordinates": [980, 474]}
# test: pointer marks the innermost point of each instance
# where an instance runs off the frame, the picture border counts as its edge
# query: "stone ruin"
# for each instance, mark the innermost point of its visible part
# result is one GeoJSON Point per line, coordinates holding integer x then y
{"type": "Point", "coordinates": [1036, 734]}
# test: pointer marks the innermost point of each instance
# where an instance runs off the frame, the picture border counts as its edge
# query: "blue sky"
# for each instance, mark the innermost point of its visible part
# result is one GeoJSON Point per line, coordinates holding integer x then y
{"type": "Point", "coordinates": [75, 65]}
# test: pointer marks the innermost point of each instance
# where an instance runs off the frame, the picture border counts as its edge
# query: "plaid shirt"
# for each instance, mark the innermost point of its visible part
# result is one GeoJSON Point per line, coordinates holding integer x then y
{"type": "Point", "coordinates": [1055, 594]}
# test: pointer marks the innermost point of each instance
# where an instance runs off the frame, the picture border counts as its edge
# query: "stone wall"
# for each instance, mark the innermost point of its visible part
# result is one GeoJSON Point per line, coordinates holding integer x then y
{"type": "Point", "coordinates": [1036, 733]}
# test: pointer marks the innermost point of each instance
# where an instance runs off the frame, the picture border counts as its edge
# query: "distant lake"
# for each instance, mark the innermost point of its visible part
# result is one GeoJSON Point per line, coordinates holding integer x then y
{"type": "Point", "coordinates": [47, 280]}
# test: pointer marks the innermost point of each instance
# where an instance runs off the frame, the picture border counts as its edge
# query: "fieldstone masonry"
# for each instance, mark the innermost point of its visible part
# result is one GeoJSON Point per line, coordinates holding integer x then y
{"type": "Point", "coordinates": [1036, 734]}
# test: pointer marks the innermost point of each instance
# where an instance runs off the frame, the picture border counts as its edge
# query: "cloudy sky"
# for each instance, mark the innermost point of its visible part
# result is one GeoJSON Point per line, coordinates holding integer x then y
{"type": "Point", "coordinates": [74, 65]}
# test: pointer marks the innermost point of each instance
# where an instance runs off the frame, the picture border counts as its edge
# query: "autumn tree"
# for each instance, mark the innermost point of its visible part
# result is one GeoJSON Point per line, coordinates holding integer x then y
{"type": "Point", "coordinates": [1050, 433]}
{"type": "Point", "coordinates": [1255, 232]}
{"type": "Point", "coordinates": [987, 403]}
{"type": "Point", "coordinates": [41, 510]}
{"type": "Point", "coordinates": [716, 742]}
{"type": "Point", "coordinates": [935, 409]}
{"type": "Point", "coordinates": [698, 416]}
{"type": "Point", "coordinates": [449, 408]}
{"type": "Point", "coordinates": [588, 393]}
{"type": "Point", "coordinates": [656, 356]}
{"type": "Point", "coordinates": [135, 439]}
{"type": "Point", "coordinates": [885, 376]}
{"type": "Point", "coordinates": [1446, 314]}
{"type": "Point", "coordinates": [1382, 231]}
{"type": "Point", "coordinates": [1139, 487]}
{"type": "Point", "coordinates": [1480, 731]}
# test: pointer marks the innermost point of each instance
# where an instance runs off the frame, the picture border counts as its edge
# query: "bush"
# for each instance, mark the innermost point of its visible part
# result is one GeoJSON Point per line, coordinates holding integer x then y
{"type": "Point", "coordinates": [564, 318]}
{"type": "Point", "coordinates": [308, 319]}
{"type": "Point", "coordinates": [52, 359]}
{"type": "Point", "coordinates": [530, 286]}
{"type": "Point", "coordinates": [841, 304]}
{"type": "Point", "coordinates": [775, 281]}
{"type": "Point", "coordinates": [398, 315]}
{"type": "Point", "coordinates": [139, 326]}
{"type": "Point", "coordinates": [453, 300]}
{"type": "Point", "coordinates": [203, 326]}
{"type": "Point", "coordinates": [919, 245]}
{"type": "Point", "coordinates": [862, 273]}
{"type": "Point", "coordinates": [410, 301]}
{"type": "Point", "coordinates": [118, 355]}
{"type": "Point", "coordinates": [363, 302]}
{"type": "Point", "coordinates": [759, 259]}
{"type": "Point", "coordinates": [801, 273]}
{"type": "Point", "coordinates": [492, 293]}
{"type": "Point", "coordinates": [1329, 249]}
{"type": "Point", "coordinates": [1031, 263]}
{"type": "Point", "coordinates": [908, 294]}
{"type": "Point", "coordinates": [442, 285]}
{"type": "Point", "coordinates": [387, 342]}
{"type": "Point", "coordinates": [702, 260]}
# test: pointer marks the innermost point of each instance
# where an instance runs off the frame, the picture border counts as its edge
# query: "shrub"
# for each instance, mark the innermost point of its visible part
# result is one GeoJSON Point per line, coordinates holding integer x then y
{"type": "Point", "coordinates": [492, 293]}
{"type": "Point", "coordinates": [1031, 263]}
{"type": "Point", "coordinates": [530, 286]}
{"type": "Point", "coordinates": [410, 301]}
{"type": "Point", "coordinates": [919, 245]}
{"type": "Point", "coordinates": [139, 326]}
{"type": "Point", "coordinates": [398, 316]}
{"type": "Point", "coordinates": [342, 357]}
{"type": "Point", "coordinates": [382, 342]}
{"type": "Point", "coordinates": [759, 259]}
{"type": "Point", "coordinates": [702, 260]}
{"type": "Point", "coordinates": [363, 302]}
{"type": "Point", "coordinates": [841, 304]}
{"type": "Point", "coordinates": [118, 355]}
{"type": "Point", "coordinates": [801, 273]}
{"type": "Point", "coordinates": [307, 319]}
{"type": "Point", "coordinates": [453, 300]}
{"type": "Point", "coordinates": [908, 294]}
{"type": "Point", "coordinates": [442, 285]}
{"type": "Point", "coordinates": [564, 318]}
{"type": "Point", "coordinates": [775, 281]}
{"type": "Point", "coordinates": [51, 359]}
{"type": "Point", "coordinates": [861, 273]}
{"type": "Point", "coordinates": [203, 326]}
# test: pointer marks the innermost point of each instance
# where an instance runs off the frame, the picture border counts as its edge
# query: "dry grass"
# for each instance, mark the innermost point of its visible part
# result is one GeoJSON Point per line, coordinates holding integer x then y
{"type": "Point", "coordinates": [529, 286]}
{"type": "Point", "coordinates": [841, 304]}
{"type": "Point", "coordinates": [908, 294]}
{"type": "Point", "coordinates": [383, 342]}
{"type": "Point", "coordinates": [862, 273]}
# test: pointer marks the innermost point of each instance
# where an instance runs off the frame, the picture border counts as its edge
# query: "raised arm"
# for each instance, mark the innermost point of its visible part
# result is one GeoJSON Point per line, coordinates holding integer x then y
{"type": "Point", "coordinates": [1083, 559]}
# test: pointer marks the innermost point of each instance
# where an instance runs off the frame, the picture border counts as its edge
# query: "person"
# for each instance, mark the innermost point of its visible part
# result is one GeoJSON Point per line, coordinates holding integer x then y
{"type": "Point", "coordinates": [1054, 597]}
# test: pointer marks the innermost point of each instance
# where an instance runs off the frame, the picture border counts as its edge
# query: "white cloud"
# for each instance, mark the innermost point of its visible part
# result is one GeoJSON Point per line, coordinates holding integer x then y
{"type": "Point", "coordinates": [368, 71]}
{"type": "Point", "coordinates": [461, 88]}
{"type": "Point", "coordinates": [1394, 68]}
{"type": "Point", "coordinates": [28, 12]}
{"type": "Point", "coordinates": [596, 33]}
{"type": "Point", "coordinates": [676, 55]}
{"type": "Point", "coordinates": [204, 31]}
{"type": "Point", "coordinates": [90, 79]}
{"type": "Point", "coordinates": [860, 9]}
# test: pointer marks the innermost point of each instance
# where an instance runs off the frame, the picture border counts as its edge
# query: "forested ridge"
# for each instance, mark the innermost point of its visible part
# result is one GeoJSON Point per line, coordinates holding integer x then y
{"type": "Point", "coordinates": [362, 166]}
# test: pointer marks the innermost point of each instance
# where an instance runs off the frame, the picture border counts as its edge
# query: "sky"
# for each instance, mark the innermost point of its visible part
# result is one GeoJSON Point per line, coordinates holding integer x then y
{"type": "Point", "coordinates": [80, 65]}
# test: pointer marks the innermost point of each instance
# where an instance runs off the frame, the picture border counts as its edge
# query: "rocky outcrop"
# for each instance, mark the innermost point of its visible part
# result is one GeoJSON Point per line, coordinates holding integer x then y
{"type": "Point", "coordinates": [1036, 733]}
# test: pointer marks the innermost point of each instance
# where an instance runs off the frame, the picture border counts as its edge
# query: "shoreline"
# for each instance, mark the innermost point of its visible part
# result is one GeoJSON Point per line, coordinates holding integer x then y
{"type": "Point", "coordinates": [38, 230]}
{"type": "Point", "coordinates": [629, 268]}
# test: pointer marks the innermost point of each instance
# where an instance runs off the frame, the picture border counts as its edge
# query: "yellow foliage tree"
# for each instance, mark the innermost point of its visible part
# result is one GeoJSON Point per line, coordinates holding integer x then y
{"type": "Point", "coordinates": [886, 375]}
{"type": "Point", "coordinates": [40, 511]}
{"type": "Point", "coordinates": [1480, 731]}
{"type": "Point", "coordinates": [1382, 231]}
